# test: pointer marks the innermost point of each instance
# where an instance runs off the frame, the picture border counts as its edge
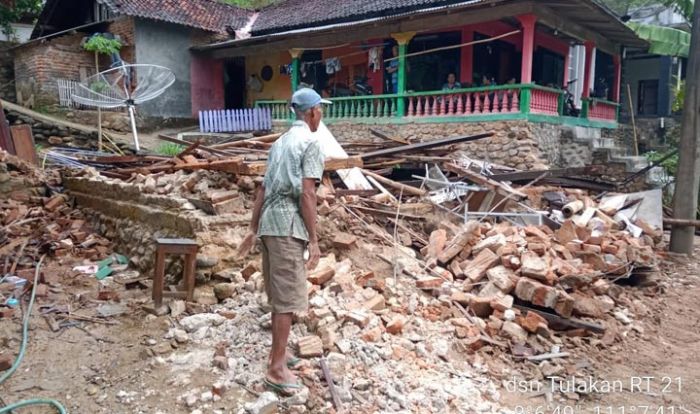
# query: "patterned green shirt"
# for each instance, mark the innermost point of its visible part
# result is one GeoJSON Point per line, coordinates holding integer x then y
{"type": "Point", "coordinates": [296, 155]}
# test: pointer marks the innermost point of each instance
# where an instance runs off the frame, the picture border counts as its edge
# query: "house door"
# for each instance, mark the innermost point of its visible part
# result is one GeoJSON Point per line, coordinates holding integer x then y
{"type": "Point", "coordinates": [234, 83]}
{"type": "Point", "coordinates": [648, 97]}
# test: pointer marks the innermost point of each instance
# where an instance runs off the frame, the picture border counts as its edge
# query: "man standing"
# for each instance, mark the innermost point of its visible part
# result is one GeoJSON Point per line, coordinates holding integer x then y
{"type": "Point", "coordinates": [284, 217]}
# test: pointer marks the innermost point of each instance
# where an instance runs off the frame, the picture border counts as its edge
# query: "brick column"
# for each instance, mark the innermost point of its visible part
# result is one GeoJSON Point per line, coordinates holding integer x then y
{"type": "Point", "coordinates": [590, 46]}
{"type": "Point", "coordinates": [466, 71]}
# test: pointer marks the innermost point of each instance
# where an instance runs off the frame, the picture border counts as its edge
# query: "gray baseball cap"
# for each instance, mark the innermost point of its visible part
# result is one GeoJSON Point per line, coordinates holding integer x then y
{"type": "Point", "coordinates": [306, 98]}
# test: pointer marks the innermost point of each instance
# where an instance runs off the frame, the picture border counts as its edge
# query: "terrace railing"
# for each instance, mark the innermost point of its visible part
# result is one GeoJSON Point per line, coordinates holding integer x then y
{"type": "Point", "coordinates": [600, 109]}
{"type": "Point", "coordinates": [483, 103]}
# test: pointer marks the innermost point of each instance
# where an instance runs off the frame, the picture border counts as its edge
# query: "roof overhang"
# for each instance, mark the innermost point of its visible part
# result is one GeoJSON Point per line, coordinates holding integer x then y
{"type": "Point", "coordinates": [579, 19]}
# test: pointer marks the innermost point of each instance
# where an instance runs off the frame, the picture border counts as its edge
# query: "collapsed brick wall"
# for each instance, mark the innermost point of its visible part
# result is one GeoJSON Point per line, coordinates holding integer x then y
{"type": "Point", "coordinates": [37, 65]}
{"type": "Point", "coordinates": [7, 72]}
{"type": "Point", "coordinates": [49, 134]}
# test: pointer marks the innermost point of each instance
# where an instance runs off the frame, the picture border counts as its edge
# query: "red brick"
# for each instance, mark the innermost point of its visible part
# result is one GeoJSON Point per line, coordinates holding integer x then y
{"type": "Point", "coordinates": [533, 266]}
{"type": "Point", "coordinates": [567, 232]}
{"type": "Point", "coordinates": [42, 290]}
{"type": "Point", "coordinates": [373, 334]}
{"type": "Point", "coordinates": [525, 289]}
{"type": "Point", "coordinates": [461, 298]}
{"type": "Point", "coordinates": [375, 303]}
{"type": "Point", "coordinates": [545, 296]}
{"type": "Point", "coordinates": [54, 202]}
{"type": "Point", "coordinates": [502, 278]}
{"type": "Point", "coordinates": [6, 313]}
{"type": "Point", "coordinates": [310, 346]}
{"type": "Point", "coordinates": [249, 270]}
{"type": "Point", "coordinates": [429, 282]}
{"type": "Point", "coordinates": [321, 276]}
{"type": "Point", "coordinates": [475, 269]}
{"type": "Point", "coordinates": [565, 305]}
{"type": "Point", "coordinates": [532, 322]}
{"type": "Point", "coordinates": [502, 303]}
{"type": "Point", "coordinates": [396, 325]}
{"type": "Point", "coordinates": [359, 318]}
{"type": "Point", "coordinates": [591, 248]}
{"type": "Point", "coordinates": [539, 248]}
{"type": "Point", "coordinates": [436, 243]}
{"type": "Point", "coordinates": [344, 241]}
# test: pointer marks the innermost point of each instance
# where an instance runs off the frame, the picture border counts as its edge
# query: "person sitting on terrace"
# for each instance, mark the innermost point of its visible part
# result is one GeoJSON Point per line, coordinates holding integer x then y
{"type": "Point", "coordinates": [451, 82]}
{"type": "Point", "coordinates": [393, 70]}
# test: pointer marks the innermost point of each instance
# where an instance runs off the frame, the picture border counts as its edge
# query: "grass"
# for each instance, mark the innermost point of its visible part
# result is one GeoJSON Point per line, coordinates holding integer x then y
{"type": "Point", "coordinates": [170, 149]}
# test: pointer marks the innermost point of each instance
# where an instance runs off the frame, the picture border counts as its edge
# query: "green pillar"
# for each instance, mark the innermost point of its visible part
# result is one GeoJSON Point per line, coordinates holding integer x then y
{"type": "Point", "coordinates": [402, 39]}
{"type": "Point", "coordinates": [296, 55]}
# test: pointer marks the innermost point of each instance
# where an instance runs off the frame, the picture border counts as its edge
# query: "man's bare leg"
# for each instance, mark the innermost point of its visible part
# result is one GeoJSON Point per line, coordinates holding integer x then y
{"type": "Point", "coordinates": [278, 371]}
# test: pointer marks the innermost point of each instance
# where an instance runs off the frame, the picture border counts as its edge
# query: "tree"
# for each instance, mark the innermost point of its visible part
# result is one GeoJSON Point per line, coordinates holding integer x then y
{"type": "Point", "coordinates": [21, 9]}
{"type": "Point", "coordinates": [100, 44]}
{"type": "Point", "coordinates": [623, 7]}
{"type": "Point", "coordinates": [685, 198]}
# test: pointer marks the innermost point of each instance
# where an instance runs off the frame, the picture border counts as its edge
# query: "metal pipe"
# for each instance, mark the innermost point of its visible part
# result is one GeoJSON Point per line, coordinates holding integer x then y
{"type": "Point", "coordinates": [133, 128]}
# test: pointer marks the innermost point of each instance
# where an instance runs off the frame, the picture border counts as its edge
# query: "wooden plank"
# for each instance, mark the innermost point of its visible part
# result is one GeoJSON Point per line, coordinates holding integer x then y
{"type": "Point", "coordinates": [187, 143]}
{"type": "Point", "coordinates": [5, 137]}
{"type": "Point", "coordinates": [334, 164]}
{"type": "Point", "coordinates": [479, 179]}
{"type": "Point", "coordinates": [23, 141]}
{"type": "Point", "coordinates": [407, 189]}
{"type": "Point", "coordinates": [425, 145]}
{"type": "Point", "coordinates": [337, 404]}
{"type": "Point", "coordinates": [569, 322]}
{"type": "Point", "coordinates": [382, 135]}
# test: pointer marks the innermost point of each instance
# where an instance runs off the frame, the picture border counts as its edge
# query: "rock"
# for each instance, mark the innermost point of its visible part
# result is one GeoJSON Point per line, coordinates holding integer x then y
{"type": "Point", "coordinates": [204, 295]}
{"type": "Point", "coordinates": [180, 336]}
{"type": "Point", "coordinates": [220, 362]}
{"type": "Point", "coordinates": [492, 243]}
{"type": "Point", "coordinates": [54, 140]}
{"type": "Point", "coordinates": [177, 308]}
{"type": "Point", "coordinates": [513, 331]}
{"type": "Point", "coordinates": [344, 241]}
{"type": "Point", "coordinates": [200, 320]}
{"type": "Point", "coordinates": [622, 317]}
{"type": "Point", "coordinates": [429, 283]}
{"type": "Point", "coordinates": [206, 261]}
{"type": "Point", "coordinates": [224, 290]}
{"type": "Point", "coordinates": [265, 404]}
{"type": "Point", "coordinates": [162, 348]}
{"type": "Point", "coordinates": [299, 398]}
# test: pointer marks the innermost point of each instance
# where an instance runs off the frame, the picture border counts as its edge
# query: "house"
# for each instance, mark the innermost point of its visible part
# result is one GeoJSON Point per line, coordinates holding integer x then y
{"type": "Point", "coordinates": [159, 32]}
{"type": "Point", "coordinates": [511, 58]}
{"type": "Point", "coordinates": [655, 74]}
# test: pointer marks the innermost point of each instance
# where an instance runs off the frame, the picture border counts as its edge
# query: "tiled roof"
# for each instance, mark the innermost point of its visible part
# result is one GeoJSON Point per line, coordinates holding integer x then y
{"type": "Point", "coordinates": [202, 14]}
{"type": "Point", "coordinates": [293, 14]}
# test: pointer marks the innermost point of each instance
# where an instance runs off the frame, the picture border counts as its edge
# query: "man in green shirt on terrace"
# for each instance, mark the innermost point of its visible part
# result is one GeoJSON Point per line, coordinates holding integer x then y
{"type": "Point", "coordinates": [284, 217]}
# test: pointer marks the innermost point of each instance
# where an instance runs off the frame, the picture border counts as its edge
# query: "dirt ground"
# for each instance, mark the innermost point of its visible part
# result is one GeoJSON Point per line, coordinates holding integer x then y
{"type": "Point", "coordinates": [102, 368]}
{"type": "Point", "coordinates": [659, 367]}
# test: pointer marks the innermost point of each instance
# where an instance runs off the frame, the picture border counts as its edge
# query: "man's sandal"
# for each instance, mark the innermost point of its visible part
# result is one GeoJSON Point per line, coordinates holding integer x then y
{"type": "Point", "coordinates": [284, 389]}
{"type": "Point", "coordinates": [293, 362]}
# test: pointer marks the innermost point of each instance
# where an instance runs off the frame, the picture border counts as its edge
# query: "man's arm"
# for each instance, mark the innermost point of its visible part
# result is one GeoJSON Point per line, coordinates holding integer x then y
{"type": "Point", "coordinates": [249, 239]}
{"type": "Point", "coordinates": [308, 214]}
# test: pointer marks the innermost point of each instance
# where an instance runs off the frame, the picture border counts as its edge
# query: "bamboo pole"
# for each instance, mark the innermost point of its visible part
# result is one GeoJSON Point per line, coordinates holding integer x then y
{"type": "Point", "coordinates": [99, 110]}
{"type": "Point", "coordinates": [634, 125]}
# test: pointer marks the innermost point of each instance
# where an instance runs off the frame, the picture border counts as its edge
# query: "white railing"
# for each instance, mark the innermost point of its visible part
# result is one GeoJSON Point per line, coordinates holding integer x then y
{"type": "Point", "coordinates": [66, 89]}
{"type": "Point", "coordinates": [235, 120]}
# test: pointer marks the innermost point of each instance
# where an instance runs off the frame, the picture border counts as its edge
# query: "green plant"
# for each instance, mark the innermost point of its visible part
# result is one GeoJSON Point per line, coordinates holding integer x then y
{"type": "Point", "coordinates": [670, 165]}
{"type": "Point", "coordinates": [169, 149]}
{"type": "Point", "coordinates": [679, 98]}
{"type": "Point", "coordinates": [100, 44]}
{"type": "Point", "coordinates": [21, 9]}
{"type": "Point", "coordinates": [99, 86]}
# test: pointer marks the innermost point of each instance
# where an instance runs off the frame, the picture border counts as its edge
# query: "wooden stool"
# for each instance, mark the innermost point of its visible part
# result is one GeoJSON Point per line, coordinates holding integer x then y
{"type": "Point", "coordinates": [185, 247]}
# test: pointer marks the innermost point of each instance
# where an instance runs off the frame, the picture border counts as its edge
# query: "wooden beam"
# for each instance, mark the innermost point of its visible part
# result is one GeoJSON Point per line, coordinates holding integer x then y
{"type": "Point", "coordinates": [425, 145]}
{"type": "Point", "coordinates": [407, 189]}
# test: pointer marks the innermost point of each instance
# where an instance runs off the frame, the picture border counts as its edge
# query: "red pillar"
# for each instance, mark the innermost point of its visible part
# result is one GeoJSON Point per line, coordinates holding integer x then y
{"type": "Point", "coordinates": [528, 23]}
{"type": "Point", "coordinates": [618, 78]}
{"type": "Point", "coordinates": [587, 73]}
{"type": "Point", "coordinates": [466, 70]}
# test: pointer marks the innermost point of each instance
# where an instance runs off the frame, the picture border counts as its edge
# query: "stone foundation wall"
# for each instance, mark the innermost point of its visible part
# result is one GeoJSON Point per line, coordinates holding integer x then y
{"type": "Point", "coordinates": [650, 135]}
{"type": "Point", "coordinates": [519, 144]}
{"type": "Point", "coordinates": [7, 72]}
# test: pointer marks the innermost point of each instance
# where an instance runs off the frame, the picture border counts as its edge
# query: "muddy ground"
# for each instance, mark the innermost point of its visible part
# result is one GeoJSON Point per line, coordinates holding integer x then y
{"type": "Point", "coordinates": [110, 368]}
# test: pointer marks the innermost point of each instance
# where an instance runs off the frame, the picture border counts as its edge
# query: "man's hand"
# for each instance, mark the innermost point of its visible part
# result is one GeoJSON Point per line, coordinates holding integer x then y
{"type": "Point", "coordinates": [246, 245]}
{"type": "Point", "coordinates": [314, 256]}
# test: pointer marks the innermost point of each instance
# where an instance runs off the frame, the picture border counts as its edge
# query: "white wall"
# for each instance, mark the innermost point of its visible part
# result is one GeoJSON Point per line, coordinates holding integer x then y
{"type": "Point", "coordinates": [21, 34]}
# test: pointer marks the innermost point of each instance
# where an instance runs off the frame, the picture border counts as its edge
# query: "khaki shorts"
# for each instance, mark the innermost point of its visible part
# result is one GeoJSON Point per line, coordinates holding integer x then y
{"type": "Point", "coordinates": [284, 274]}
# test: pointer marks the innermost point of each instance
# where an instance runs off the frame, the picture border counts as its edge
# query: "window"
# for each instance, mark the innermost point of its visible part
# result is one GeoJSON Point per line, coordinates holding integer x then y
{"type": "Point", "coordinates": [648, 97]}
{"type": "Point", "coordinates": [101, 12]}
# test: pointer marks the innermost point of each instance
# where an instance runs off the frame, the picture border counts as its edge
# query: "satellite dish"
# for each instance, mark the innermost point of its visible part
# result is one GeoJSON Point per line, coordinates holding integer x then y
{"type": "Point", "coordinates": [124, 86]}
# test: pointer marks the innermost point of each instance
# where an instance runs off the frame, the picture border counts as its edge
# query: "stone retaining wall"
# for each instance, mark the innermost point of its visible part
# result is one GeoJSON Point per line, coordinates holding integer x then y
{"type": "Point", "coordinates": [519, 144]}
{"type": "Point", "coordinates": [49, 134]}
